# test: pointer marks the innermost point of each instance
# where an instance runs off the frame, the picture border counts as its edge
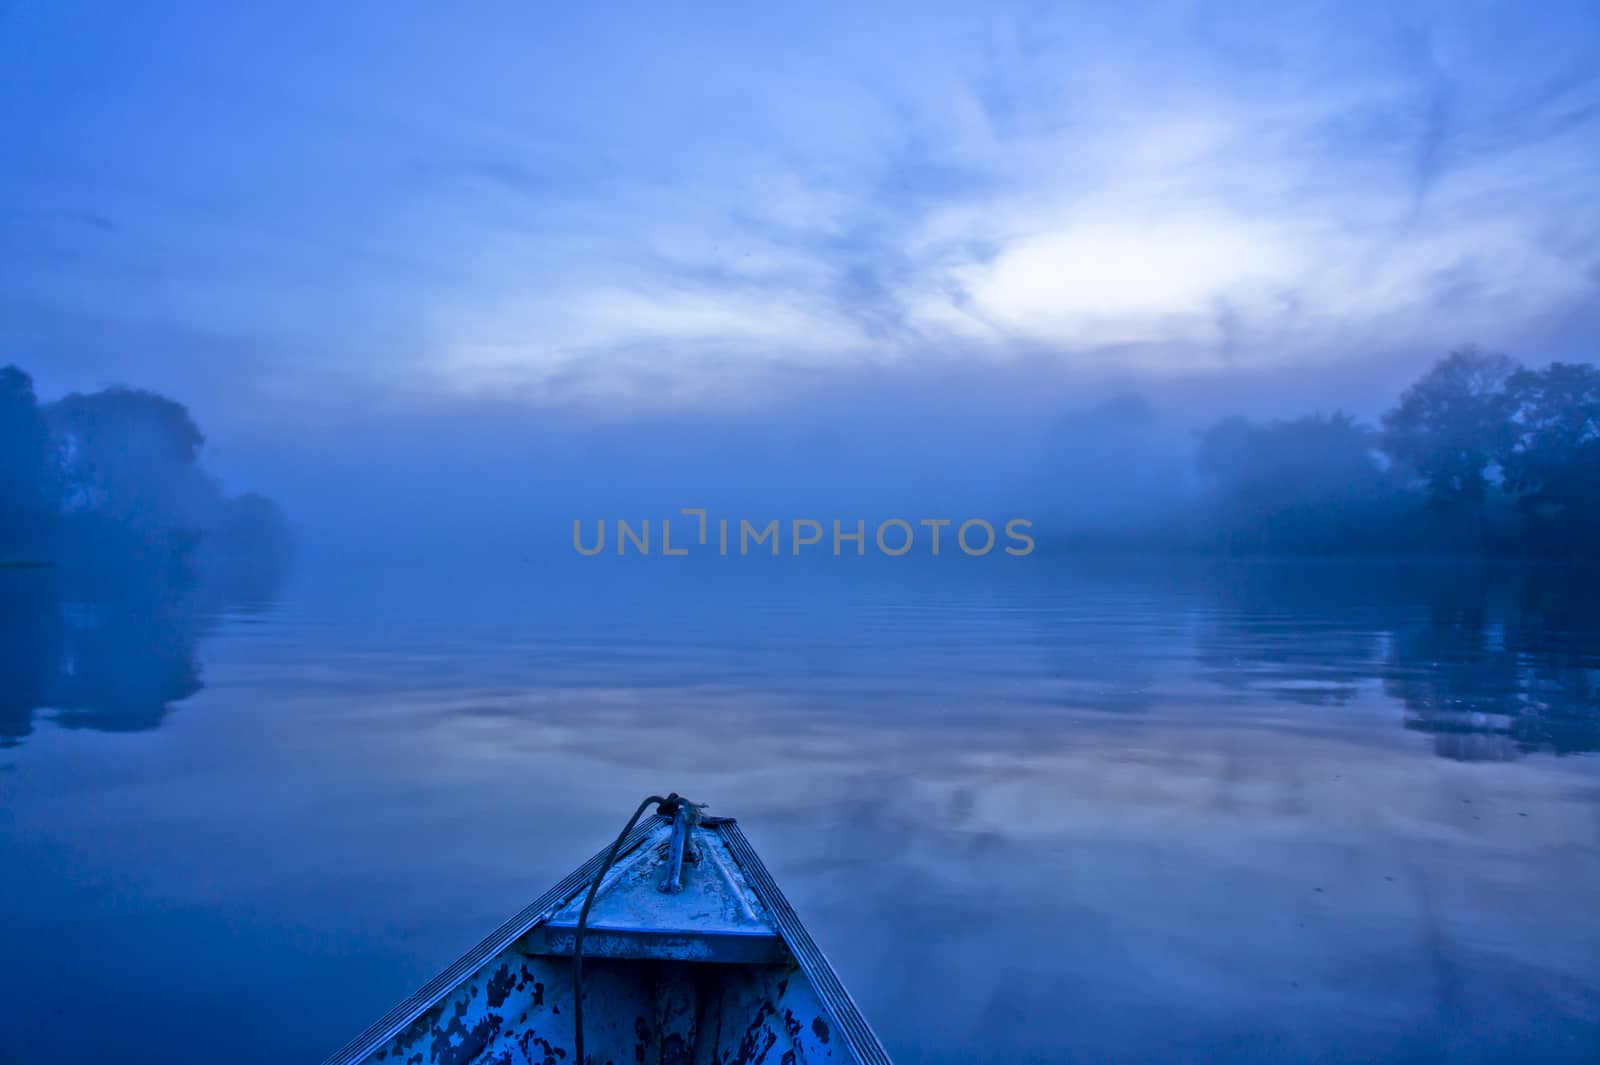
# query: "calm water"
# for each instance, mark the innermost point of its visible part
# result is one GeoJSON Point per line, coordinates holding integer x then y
{"type": "Point", "coordinates": [1034, 811]}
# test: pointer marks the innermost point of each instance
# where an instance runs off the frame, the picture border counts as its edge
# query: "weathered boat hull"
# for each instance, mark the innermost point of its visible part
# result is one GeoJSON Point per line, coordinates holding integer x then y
{"type": "Point", "coordinates": [719, 972]}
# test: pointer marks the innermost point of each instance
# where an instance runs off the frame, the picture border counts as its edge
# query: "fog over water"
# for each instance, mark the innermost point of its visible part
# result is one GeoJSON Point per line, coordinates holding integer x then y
{"type": "Point", "coordinates": [323, 327]}
{"type": "Point", "coordinates": [1112, 810]}
{"type": "Point", "coordinates": [453, 269]}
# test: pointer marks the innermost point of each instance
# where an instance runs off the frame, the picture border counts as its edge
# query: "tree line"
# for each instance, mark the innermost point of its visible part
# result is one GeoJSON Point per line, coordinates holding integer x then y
{"type": "Point", "coordinates": [1481, 455]}
{"type": "Point", "coordinates": [112, 482]}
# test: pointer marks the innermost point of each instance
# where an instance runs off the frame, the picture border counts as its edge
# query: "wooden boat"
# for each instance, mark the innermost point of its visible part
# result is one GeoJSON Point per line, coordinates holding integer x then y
{"type": "Point", "coordinates": [673, 947]}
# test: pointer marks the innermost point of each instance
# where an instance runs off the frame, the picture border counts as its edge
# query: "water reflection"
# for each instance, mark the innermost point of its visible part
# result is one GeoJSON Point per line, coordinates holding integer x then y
{"type": "Point", "coordinates": [1491, 664]}
{"type": "Point", "coordinates": [113, 657]}
{"type": "Point", "coordinates": [1494, 673]}
{"type": "Point", "coordinates": [1302, 634]}
{"type": "Point", "coordinates": [1117, 813]}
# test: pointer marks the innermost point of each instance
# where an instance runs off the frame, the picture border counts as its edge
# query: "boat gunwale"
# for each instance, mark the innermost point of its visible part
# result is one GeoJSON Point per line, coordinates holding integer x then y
{"type": "Point", "coordinates": [851, 1026]}
{"type": "Point", "coordinates": [428, 995]}
{"type": "Point", "coordinates": [858, 1034]}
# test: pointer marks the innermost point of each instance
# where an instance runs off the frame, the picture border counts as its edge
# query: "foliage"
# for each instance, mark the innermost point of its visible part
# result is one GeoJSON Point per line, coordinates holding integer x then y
{"type": "Point", "coordinates": [112, 482]}
{"type": "Point", "coordinates": [1553, 461]}
{"type": "Point", "coordinates": [1451, 426]}
{"type": "Point", "coordinates": [29, 472]}
{"type": "Point", "coordinates": [1480, 454]}
{"type": "Point", "coordinates": [131, 466]}
{"type": "Point", "coordinates": [1308, 484]}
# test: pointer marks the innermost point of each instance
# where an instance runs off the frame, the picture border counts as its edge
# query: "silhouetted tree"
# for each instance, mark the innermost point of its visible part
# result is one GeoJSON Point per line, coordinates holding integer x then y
{"type": "Point", "coordinates": [1450, 426]}
{"type": "Point", "coordinates": [30, 487]}
{"type": "Point", "coordinates": [1553, 458]}
{"type": "Point", "coordinates": [133, 481]}
{"type": "Point", "coordinates": [111, 482]}
{"type": "Point", "coordinates": [1507, 458]}
{"type": "Point", "coordinates": [111, 486]}
{"type": "Point", "coordinates": [1311, 483]}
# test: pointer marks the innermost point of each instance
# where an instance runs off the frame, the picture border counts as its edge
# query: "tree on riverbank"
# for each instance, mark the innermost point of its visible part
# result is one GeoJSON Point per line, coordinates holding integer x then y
{"type": "Point", "coordinates": [112, 483]}
{"type": "Point", "coordinates": [1479, 455]}
{"type": "Point", "coordinates": [30, 489]}
{"type": "Point", "coordinates": [1553, 465]}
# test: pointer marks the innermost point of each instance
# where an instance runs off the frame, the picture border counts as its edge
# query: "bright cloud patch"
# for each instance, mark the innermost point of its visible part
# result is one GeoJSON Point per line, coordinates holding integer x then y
{"type": "Point", "coordinates": [1105, 282]}
{"type": "Point", "coordinates": [672, 209]}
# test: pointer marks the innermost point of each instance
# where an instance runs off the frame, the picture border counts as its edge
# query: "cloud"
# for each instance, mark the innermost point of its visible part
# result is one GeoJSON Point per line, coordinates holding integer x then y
{"type": "Point", "coordinates": [665, 212]}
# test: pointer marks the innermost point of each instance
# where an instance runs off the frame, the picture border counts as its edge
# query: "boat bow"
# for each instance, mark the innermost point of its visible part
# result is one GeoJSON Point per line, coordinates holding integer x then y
{"type": "Point", "coordinates": [691, 956]}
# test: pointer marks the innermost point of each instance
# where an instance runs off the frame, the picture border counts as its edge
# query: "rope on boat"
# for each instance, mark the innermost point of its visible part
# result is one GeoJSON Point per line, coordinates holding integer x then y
{"type": "Point", "coordinates": [666, 807]}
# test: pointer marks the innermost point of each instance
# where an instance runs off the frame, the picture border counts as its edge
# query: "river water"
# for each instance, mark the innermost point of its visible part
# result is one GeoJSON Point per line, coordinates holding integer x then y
{"type": "Point", "coordinates": [1096, 810]}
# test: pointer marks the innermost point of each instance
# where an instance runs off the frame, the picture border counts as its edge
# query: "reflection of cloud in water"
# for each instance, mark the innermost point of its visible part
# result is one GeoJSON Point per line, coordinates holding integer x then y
{"type": "Point", "coordinates": [1270, 895]}
{"type": "Point", "coordinates": [1491, 667]}
{"type": "Point", "coordinates": [959, 806]}
{"type": "Point", "coordinates": [1090, 886]}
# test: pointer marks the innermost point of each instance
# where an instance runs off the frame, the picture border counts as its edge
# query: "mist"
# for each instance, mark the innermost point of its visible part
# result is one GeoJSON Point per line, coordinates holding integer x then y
{"type": "Point", "coordinates": [963, 435]}
{"type": "Point", "coordinates": [1108, 494]}
{"type": "Point", "coordinates": [1092, 467]}
{"type": "Point", "coordinates": [457, 280]}
{"type": "Point", "coordinates": [110, 487]}
{"type": "Point", "coordinates": [1096, 466]}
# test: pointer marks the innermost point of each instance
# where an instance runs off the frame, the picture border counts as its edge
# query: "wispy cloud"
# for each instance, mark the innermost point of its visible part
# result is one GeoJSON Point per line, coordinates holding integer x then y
{"type": "Point", "coordinates": [666, 209]}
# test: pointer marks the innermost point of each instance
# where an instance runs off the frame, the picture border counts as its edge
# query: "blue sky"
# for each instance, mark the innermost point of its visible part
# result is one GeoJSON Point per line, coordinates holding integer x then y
{"type": "Point", "coordinates": [285, 210]}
